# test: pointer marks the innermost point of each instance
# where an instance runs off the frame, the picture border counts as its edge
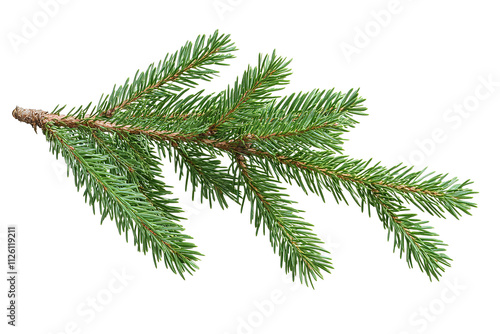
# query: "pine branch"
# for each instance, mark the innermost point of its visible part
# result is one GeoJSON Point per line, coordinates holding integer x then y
{"type": "Point", "coordinates": [154, 87]}
{"type": "Point", "coordinates": [311, 120]}
{"type": "Point", "coordinates": [432, 194]}
{"type": "Point", "coordinates": [122, 201]}
{"type": "Point", "coordinates": [410, 235]}
{"type": "Point", "coordinates": [183, 67]}
{"type": "Point", "coordinates": [383, 189]}
{"type": "Point", "coordinates": [114, 150]}
{"type": "Point", "coordinates": [253, 91]}
{"type": "Point", "coordinates": [299, 248]}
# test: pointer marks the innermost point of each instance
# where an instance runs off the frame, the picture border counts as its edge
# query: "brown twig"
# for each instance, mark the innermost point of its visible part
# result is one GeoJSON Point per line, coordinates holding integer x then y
{"type": "Point", "coordinates": [40, 118]}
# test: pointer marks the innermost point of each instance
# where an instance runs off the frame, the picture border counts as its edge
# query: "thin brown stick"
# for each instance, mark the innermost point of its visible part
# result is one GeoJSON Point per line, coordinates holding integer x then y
{"type": "Point", "coordinates": [40, 118]}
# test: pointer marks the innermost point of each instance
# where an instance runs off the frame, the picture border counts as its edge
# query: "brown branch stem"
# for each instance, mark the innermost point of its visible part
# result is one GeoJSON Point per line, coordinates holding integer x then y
{"type": "Point", "coordinates": [40, 118]}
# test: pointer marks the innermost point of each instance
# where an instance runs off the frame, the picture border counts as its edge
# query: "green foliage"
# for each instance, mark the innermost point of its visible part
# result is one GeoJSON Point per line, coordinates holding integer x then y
{"type": "Point", "coordinates": [114, 150]}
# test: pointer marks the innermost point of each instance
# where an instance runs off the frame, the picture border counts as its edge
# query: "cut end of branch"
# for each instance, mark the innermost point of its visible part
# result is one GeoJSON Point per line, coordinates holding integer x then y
{"type": "Point", "coordinates": [31, 116]}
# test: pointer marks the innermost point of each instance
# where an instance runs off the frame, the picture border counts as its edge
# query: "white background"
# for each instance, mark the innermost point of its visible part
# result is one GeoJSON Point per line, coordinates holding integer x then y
{"type": "Point", "coordinates": [416, 67]}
